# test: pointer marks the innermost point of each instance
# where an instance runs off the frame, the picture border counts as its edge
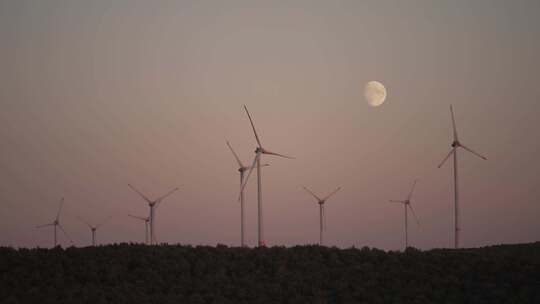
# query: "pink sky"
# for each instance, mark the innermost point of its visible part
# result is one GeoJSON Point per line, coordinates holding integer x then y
{"type": "Point", "coordinates": [95, 95]}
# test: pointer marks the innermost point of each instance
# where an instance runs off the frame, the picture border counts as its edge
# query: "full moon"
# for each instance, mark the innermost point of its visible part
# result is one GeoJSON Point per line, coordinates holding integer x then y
{"type": "Point", "coordinates": [375, 93]}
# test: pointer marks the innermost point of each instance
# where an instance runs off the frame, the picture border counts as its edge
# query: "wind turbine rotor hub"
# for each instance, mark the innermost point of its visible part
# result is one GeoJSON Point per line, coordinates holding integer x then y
{"type": "Point", "coordinates": [259, 150]}
{"type": "Point", "coordinates": [456, 144]}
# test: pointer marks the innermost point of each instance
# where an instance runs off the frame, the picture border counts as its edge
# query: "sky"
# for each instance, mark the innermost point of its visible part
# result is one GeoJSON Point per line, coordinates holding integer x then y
{"type": "Point", "coordinates": [98, 94]}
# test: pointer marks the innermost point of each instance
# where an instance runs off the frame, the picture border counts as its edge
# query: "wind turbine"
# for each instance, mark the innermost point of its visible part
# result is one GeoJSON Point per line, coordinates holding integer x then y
{"type": "Point", "coordinates": [322, 216]}
{"type": "Point", "coordinates": [56, 223]}
{"type": "Point", "coordinates": [407, 204]}
{"type": "Point", "coordinates": [94, 228]}
{"type": "Point", "coordinates": [453, 151]}
{"type": "Point", "coordinates": [257, 163]}
{"type": "Point", "coordinates": [146, 223]}
{"type": "Point", "coordinates": [153, 204]}
{"type": "Point", "coordinates": [242, 169]}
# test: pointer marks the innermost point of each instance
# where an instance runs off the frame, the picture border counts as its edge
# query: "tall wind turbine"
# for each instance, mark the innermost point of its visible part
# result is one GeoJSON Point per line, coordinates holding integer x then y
{"type": "Point", "coordinates": [94, 228]}
{"type": "Point", "coordinates": [257, 163]}
{"type": "Point", "coordinates": [146, 221]}
{"type": "Point", "coordinates": [453, 151]}
{"type": "Point", "coordinates": [56, 223]}
{"type": "Point", "coordinates": [153, 204]}
{"type": "Point", "coordinates": [242, 169]}
{"type": "Point", "coordinates": [322, 215]}
{"type": "Point", "coordinates": [407, 204]}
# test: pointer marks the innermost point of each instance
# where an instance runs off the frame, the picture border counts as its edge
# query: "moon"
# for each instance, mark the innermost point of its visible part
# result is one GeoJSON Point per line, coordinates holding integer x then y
{"type": "Point", "coordinates": [375, 93]}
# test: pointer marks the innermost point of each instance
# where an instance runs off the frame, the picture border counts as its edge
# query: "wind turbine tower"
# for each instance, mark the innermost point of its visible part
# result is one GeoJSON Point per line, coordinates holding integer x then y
{"type": "Point", "coordinates": [153, 204]}
{"type": "Point", "coordinates": [259, 151]}
{"type": "Point", "coordinates": [242, 169]}
{"type": "Point", "coordinates": [456, 144]}
{"type": "Point", "coordinates": [56, 223]}
{"type": "Point", "coordinates": [407, 205]}
{"type": "Point", "coordinates": [322, 214]}
{"type": "Point", "coordinates": [146, 221]}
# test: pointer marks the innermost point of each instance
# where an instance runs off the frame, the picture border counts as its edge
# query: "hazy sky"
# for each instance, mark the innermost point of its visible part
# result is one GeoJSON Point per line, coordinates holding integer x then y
{"type": "Point", "coordinates": [98, 94]}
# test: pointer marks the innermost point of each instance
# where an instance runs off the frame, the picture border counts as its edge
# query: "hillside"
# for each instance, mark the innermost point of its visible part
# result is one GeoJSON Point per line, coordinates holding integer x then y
{"type": "Point", "coordinates": [130, 273]}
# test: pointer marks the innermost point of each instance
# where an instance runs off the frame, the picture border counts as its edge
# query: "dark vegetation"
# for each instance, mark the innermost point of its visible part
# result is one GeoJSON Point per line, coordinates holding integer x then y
{"type": "Point", "coordinates": [129, 273]}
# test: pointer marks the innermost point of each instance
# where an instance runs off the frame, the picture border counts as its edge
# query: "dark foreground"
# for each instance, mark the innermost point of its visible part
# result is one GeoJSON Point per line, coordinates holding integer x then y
{"type": "Point", "coordinates": [305, 274]}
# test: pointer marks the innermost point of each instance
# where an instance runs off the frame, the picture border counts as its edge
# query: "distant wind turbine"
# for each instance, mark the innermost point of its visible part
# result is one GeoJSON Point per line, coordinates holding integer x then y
{"type": "Point", "coordinates": [56, 223]}
{"type": "Point", "coordinates": [257, 163]}
{"type": "Point", "coordinates": [453, 150]}
{"type": "Point", "coordinates": [146, 221]}
{"type": "Point", "coordinates": [241, 168]}
{"type": "Point", "coordinates": [94, 228]}
{"type": "Point", "coordinates": [153, 204]}
{"type": "Point", "coordinates": [322, 214]}
{"type": "Point", "coordinates": [407, 204]}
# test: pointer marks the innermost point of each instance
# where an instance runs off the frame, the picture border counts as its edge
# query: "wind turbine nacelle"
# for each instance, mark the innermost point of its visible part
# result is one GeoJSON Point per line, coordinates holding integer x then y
{"type": "Point", "coordinates": [456, 144]}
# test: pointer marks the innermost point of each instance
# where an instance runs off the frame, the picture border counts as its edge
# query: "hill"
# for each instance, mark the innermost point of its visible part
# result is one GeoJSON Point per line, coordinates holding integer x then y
{"type": "Point", "coordinates": [131, 273]}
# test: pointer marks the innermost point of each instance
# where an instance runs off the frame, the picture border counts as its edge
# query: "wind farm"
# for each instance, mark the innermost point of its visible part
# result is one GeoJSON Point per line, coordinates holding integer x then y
{"type": "Point", "coordinates": [269, 151]}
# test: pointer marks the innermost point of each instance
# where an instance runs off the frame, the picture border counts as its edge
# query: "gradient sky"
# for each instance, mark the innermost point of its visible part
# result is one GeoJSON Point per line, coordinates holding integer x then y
{"type": "Point", "coordinates": [98, 94]}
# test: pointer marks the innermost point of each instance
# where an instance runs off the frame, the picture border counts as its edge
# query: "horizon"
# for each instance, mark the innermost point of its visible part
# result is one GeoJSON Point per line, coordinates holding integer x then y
{"type": "Point", "coordinates": [98, 95]}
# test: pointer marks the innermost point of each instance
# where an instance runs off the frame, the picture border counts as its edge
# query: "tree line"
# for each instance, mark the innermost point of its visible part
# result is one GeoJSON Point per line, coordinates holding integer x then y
{"type": "Point", "coordinates": [135, 273]}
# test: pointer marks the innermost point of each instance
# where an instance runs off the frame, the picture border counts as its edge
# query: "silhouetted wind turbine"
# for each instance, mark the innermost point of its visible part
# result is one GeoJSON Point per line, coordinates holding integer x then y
{"type": "Point", "coordinates": [407, 204]}
{"type": "Point", "coordinates": [241, 169]}
{"type": "Point", "coordinates": [454, 146]}
{"type": "Point", "coordinates": [56, 223]}
{"type": "Point", "coordinates": [94, 228]}
{"type": "Point", "coordinates": [257, 163]}
{"type": "Point", "coordinates": [146, 223]}
{"type": "Point", "coordinates": [322, 215]}
{"type": "Point", "coordinates": [153, 205]}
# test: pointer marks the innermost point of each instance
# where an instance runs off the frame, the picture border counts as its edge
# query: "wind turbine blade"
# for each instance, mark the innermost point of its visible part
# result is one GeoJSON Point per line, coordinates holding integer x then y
{"type": "Point", "coordinates": [262, 165]}
{"type": "Point", "coordinates": [253, 126]}
{"type": "Point", "coordinates": [412, 189]}
{"type": "Point", "coordinates": [394, 201]}
{"type": "Point", "coordinates": [333, 192]}
{"type": "Point", "coordinates": [104, 221]}
{"type": "Point", "coordinates": [473, 152]}
{"type": "Point", "coordinates": [248, 175]}
{"type": "Point", "coordinates": [453, 150]}
{"type": "Point", "coordinates": [454, 123]}
{"type": "Point", "coordinates": [311, 192]}
{"type": "Point", "coordinates": [88, 224]}
{"type": "Point", "coordinates": [414, 214]}
{"type": "Point", "coordinates": [45, 225]}
{"type": "Point", "coordinates": [142, 195]}
{"type": "Point", "coordinates": [138, 217]}
{"type": "Point", "coordinates": [65, 233]}
{"type": "Point", "coordinates": [166, 195]}
{"type": "Point", "coordinates": [277, 154]}
{"type": "Point", "coordinates": [235, 155]}
{"type": "Point", "coordinates": [60, 208]}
